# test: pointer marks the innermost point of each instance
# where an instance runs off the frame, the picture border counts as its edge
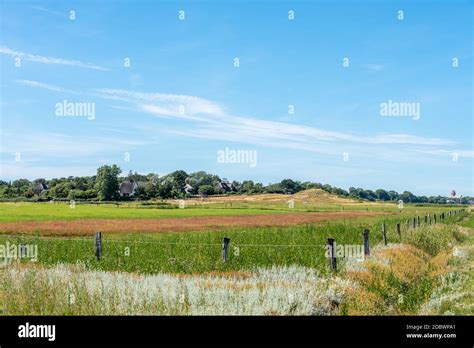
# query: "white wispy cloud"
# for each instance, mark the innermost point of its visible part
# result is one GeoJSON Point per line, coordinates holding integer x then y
{"type": "Point", "coordinates": [48, 60]}
{"type": "Point", "coordinates": [36, 84]}
{"type": "Point", "coordinates": [213, 115]}
{"type": "Point", "coordinates": [169, 104]}
{"type": "Point", "coordinates": [46, 10]}
{"type": "Point", "coordinates": [213, 123]}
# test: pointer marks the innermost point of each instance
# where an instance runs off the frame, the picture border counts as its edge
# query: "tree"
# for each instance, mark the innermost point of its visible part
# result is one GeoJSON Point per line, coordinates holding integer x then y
{"type": "Point", "coordinates": [393, 195]}
{"type": "Point", "coordinates": [165, 189]}
{"type": "Point", "coordinates": [258, 188]}
{"type": "Point", "coordinates": [370, 195]}
{"type": "Point", "coordinates": [382, 195]}
{"type": "Point", "coordinates": [274, 188]}
{"type": "Point", "coordinates": [327, 188]}
{"type": "Point", "coordinates": [107, 182]}
{"type": "Point", "coordinates": [290, 186]}
{"type": "Point", "coordinates": [60, 190]}
{"type": "Point", "coordinates": [408, 197]}
{"type": "Point", "coordinates": [39, 181]}
{"type": "Point", "coordinates": [248, 186]}
{"type": "Point", "coordinates": [198, 179]}
{"type": "Point", "coordinates": [146, 191]}
{"type": "Point", "coordinates": [339, 191]}
{"type": "Point", "coordinates": [178, 180]}
{"type": "Point", "coordinates": [206, 190]}
{"type": "Point", "coordinates": [21, 186]}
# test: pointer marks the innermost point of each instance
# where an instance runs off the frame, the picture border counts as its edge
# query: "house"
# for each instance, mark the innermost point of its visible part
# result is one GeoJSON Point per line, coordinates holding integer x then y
{"type": "Point", "coordinates": [188, 189]}
{"type": "Point", "coordinates": [129, 188]}
{"type": "Point", "coordinates": [235, 187]}
{"type": "Point", "coordinates": [224, 186]}
{"type": "Point", "coordinates": [38, 188]}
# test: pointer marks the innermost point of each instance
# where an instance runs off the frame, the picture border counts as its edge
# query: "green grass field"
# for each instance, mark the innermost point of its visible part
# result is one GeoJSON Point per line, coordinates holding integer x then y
{"type": "Point", "coordinates": [200, 252]}
{"type": "Point", "coordinates": [23, 211]}
{"type": "Point", "coordinates": [11, 212]}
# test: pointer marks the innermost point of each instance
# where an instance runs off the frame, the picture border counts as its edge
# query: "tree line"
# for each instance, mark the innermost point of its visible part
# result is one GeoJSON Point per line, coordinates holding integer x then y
{"type": "Point", "coordinates": [107, 183]}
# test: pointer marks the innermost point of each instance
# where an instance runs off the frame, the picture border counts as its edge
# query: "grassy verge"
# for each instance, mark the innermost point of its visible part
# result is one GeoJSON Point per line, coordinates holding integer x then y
{"type": "Point", "coordinates": [430, 274]}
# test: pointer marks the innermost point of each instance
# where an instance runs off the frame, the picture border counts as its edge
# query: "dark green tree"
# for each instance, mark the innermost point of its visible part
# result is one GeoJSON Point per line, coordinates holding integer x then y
{"type": "Point", "coordinates": [107, 185]}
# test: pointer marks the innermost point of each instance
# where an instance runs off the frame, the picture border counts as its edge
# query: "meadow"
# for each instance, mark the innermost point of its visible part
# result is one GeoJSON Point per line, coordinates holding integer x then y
{"type": "Point", "coordinates": [271, 270]}
{"type": "Point", "coordinates": [41, 211]}
{"type": "Point", "coordinates": [25, 211]}
{"type": "Point", "coordinates": [200, 252]}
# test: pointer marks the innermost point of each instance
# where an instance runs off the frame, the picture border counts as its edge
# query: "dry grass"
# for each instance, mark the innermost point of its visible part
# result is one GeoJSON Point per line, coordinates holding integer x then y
{"type": "Point", "coordinates": [311, 196]}
{"type": "Point", "coordinates": [396, 280]}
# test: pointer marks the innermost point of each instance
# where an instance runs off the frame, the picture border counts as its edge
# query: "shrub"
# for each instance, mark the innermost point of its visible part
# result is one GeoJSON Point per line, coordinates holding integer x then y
{"type": "Point", "coordinates": [432, 239]}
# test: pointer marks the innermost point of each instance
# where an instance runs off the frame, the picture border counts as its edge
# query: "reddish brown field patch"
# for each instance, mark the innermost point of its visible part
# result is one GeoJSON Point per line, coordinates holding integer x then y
{"type": "Point", "coordinates": [205, 223]}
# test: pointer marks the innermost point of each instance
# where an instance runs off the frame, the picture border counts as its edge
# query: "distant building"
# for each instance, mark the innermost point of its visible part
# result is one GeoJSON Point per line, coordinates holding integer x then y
{"type": "Point", "coordinates": [224, 185]}
{"type": "Point", "coordinates": [235, 187]}
{"type": "Point", "coordinates": [38, 188]}
{"type": "Point", "coordinates": [129, 188]}
{"type": "Point", "coordinates": [188, 189]}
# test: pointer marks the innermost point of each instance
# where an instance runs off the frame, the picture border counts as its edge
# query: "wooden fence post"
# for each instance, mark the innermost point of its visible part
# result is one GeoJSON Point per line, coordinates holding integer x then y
{"type": "Point", "coordinates": [429, 219]}
{"type": "Point", "coordinates": [22, 250]}
{"type": "Point", "coordinates": [98, 245]}
{"type": "Point", "coordinates": [414, 222]}
{"type": "Point", "coordinates": [332, 254]}
{"type": "Point", "coordinates": [384, 234]}
{"type": "Point", "coordinates": [366, 243]}
{"type": "Point", "coordinates": [399, 232]}
{"type": "Point", "coordinates": [225, 248]}
{"type": "Point", "coordinates": [418, 219]}
{"type": "Point", "coordinates": [434, 217]}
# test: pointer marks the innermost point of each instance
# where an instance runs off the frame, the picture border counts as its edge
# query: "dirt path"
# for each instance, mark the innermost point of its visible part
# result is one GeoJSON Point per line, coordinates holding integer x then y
{"type": "Point", "coordinates": [205, 223]}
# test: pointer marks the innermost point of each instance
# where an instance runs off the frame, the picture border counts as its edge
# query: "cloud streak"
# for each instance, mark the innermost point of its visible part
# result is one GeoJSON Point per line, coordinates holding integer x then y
{"type": "Point", "coordinates": [49, 60]}
{"type": "Point", "coordinates": [212, 122]}
{"type": "Point", "coordinates": [46, 10]}
{"type": "Point", "coordinates": [36, 84]}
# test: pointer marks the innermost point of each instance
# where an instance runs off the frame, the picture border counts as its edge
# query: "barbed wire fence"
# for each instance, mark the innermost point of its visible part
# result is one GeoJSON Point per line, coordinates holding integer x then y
{"type": "Point", "coordinates": [96, 243]}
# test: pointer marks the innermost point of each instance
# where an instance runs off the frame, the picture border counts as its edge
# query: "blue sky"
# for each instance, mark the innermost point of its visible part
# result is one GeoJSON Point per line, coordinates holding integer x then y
{"type": "Point", "coordinates": [182, 100]}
